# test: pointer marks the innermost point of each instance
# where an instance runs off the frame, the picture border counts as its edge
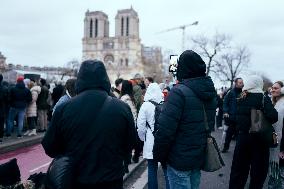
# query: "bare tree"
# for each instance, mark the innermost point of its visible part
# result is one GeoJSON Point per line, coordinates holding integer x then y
{"type": "Point", "coordinates": [209, 48]}
{"type": "Point", "coordinates": [154, 68]}
{"type": "Point", "coordinates": [74, 65]}
{"type": "Point", "coordinates": [266, 82]}
{"type": "Point", "coordinates": [71, 68]}
{"type": "Point", "coordinates": [231, 64]}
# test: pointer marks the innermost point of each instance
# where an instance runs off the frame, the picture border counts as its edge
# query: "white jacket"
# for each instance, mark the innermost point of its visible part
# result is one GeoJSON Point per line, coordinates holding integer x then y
{"type": "Point", "coordinates": [274, 152]}
{"type": "Point", "coordinates": [147, 114]}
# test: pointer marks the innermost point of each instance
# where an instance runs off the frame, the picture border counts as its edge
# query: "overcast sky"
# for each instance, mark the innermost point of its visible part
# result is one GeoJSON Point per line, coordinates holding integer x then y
{"type": "Point", "coordinates": [49, 32]}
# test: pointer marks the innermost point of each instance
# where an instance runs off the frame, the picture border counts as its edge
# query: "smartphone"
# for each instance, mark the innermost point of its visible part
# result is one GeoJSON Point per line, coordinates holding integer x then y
{"type": "Point", "coordinates": [173, 64]}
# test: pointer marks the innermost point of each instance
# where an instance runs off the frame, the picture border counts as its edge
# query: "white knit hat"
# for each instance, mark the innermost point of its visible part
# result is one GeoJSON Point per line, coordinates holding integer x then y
{"type": "Point", "coordinates": [27, 82]}
{"type": "Point", "coordinates": [253, 84]}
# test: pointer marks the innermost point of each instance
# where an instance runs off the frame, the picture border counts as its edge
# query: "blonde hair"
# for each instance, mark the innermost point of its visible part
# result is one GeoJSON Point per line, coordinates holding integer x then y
{"type": "Point", "coordinates": [31, 84]}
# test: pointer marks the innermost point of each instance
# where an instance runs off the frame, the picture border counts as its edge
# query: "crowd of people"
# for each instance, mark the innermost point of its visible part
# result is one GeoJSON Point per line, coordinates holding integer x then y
{"type": "Point", "coordinates": [103, 129]}
{"type": "Point", "coordinates": [29, 104]}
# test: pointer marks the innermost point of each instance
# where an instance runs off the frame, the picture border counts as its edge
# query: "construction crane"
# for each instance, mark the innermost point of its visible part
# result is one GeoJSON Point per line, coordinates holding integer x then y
{"type": "Point", "coordinates": [182, 27]}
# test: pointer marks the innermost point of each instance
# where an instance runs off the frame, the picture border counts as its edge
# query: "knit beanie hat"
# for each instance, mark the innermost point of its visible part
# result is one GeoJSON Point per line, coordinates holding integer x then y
{"type": "Point", "coordinates": [20, 79]}
{"type": "Point", "coordinates": [190, 65]}
{"type": "Point", "coordinates": [27, 82]}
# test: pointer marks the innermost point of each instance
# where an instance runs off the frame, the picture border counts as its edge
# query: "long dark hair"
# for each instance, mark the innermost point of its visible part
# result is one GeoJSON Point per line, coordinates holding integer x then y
{"type": "Point", "coordinates": [70, 87]}
{"type": "Point", "coordinates": [127, 88]}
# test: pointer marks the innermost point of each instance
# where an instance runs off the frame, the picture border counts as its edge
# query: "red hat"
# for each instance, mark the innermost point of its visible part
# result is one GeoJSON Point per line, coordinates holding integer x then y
{"type": "Point", "coordinates": [20, 79]}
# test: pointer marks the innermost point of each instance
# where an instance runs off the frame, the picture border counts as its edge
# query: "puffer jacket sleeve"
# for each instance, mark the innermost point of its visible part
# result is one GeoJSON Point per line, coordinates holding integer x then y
{"type": "Point", "coordinates": [141, 122]}
{"type": "Point", "coordinates": [52, 140]}
{"type": "Point", "coordinates": [226, 103]}
{"type": "Point", "coordinates": [269, 111]}
{"type": "Point", "coordinates": [168, 124]}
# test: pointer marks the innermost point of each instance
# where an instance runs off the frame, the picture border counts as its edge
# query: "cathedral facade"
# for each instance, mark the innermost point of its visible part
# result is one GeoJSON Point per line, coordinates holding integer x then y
{"type": "Point", "coordinates": [121, 54]}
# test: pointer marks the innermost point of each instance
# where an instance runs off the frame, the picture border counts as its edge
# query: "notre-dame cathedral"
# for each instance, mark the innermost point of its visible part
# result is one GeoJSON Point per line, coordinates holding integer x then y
{"type": "Point", "coordinates": [123, 55]}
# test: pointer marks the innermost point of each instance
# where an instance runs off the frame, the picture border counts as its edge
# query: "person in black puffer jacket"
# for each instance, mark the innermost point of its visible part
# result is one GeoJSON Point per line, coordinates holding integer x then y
{"type": "Point", "coordinates": [100, 165]}
{"type": "Point", "coordinates": [3, 105]}
{"type": "Point", "coordinates": [20, 97]}
{"type": "Point", "coordinates": [251, 152]}
{"type": "Point", "coordinates": [182, 137]}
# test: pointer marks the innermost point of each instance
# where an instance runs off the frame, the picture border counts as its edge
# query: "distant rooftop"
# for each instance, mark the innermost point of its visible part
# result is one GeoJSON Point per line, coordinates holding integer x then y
{"type": "Point", "coordinates": [88, 13]}
{"type": "Point", "coordinates": [127, 11]}
{"type": "Point", "coordinates": [2, 56]}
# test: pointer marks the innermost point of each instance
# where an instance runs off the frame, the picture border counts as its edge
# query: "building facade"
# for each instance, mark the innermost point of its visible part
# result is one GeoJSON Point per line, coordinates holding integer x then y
{"type": "Point", "coordinates": [3, 64]}
{"type": "Point", "coordinates": [121, 54]}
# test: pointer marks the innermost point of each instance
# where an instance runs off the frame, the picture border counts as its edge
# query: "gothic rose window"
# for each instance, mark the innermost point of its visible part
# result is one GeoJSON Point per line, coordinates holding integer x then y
{"type": "Point", "coordinates": [109, 59]}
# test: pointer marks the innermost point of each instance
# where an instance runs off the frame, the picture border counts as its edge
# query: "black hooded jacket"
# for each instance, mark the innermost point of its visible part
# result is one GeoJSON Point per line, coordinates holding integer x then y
{"type": "Point", "coordinates": [257, 101]}
{"type": "Point", "coordinates": [3, 100]}
{"type": "Point", "coordinates": [102, 160]}
{"type": "Point", "coordinates": [181, 137]}
{"type": "Point", "coordinates": [20, 96]}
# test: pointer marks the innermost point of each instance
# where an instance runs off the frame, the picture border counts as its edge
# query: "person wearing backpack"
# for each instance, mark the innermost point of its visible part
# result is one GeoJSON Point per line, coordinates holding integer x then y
{"type": "Point", "coordinates": [146, 122]}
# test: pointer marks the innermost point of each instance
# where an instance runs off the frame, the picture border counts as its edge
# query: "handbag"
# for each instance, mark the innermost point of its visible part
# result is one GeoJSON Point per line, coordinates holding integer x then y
{"type": "Point", "coordinates": [60, 173]}
{"type": "Point", "coordinates": [62, 170]}
{"type": "Point", "coordinates": [213, 158]}
{"type": "Point", "coordinates": [260, 124]}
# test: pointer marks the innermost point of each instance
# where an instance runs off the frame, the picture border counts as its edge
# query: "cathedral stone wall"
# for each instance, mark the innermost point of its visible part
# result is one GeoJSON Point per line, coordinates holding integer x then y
{"type": "Point", "coordinates": [121, 54]}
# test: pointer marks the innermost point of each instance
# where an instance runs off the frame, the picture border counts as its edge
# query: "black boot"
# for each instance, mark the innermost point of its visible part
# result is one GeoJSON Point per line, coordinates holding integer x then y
{"type": "Point", "coordinates": [135, 159]}
{"type": "Point", "coordinates": [225, 149]}
{"type": "Point", "coordinates": [126, 170]}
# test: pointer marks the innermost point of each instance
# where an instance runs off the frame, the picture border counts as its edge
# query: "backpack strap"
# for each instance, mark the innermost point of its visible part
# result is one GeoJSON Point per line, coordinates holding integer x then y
{"type": "Point", "coordinates": [155, 104]}
{"type": "Point", "coordinates": [148, 126]}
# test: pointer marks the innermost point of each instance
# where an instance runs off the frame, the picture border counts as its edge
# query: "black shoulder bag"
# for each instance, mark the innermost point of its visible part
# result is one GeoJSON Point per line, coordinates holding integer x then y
{"type": "Point", "coordinates": [61, 171]}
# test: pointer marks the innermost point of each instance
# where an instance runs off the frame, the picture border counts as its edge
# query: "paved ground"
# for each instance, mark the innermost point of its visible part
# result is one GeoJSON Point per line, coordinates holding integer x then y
{"type": "Point", "coordinates": [33, 160]}
{"type": "Point", "coordinates": [13, 143]}
{"type": "Point", "coordinates": [30, 160]}
{"type": "Point", "coordinates": [216, 180]}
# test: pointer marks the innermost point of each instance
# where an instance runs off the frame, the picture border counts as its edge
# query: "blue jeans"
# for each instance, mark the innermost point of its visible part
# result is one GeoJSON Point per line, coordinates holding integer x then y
{"type": "Point", "coordinates": [12, 114]}
{"type": "Point", "coordinates": [152, 175]}
{"type": "Point", "coordinates": [183, 179]}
